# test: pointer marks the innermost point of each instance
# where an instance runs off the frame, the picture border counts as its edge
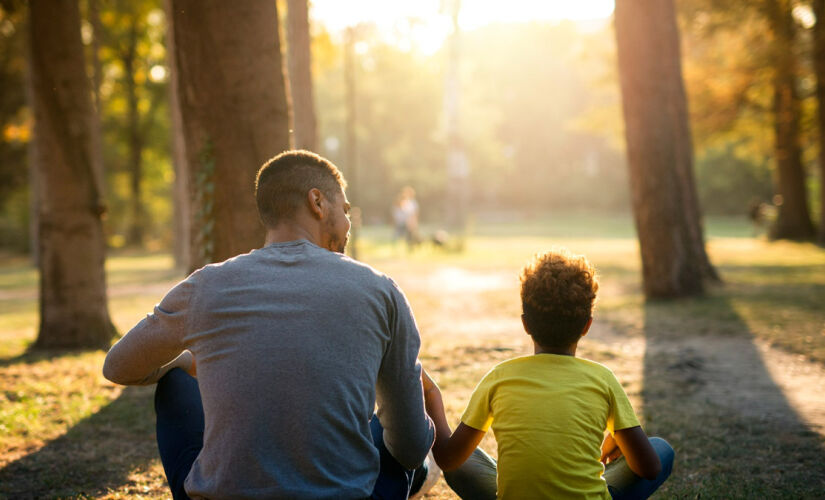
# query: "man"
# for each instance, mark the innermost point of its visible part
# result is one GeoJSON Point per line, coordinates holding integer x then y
{"type": "Point", "coordinates": [294, 343]}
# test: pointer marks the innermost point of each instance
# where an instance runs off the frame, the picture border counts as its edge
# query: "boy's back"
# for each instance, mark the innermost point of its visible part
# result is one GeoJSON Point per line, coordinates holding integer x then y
{"type": "Point", "coordinates": [548, 413]}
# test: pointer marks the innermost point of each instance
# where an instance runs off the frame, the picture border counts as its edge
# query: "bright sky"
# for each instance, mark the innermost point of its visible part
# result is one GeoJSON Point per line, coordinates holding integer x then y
{"type": "Point", "coordinates": [425, 23]}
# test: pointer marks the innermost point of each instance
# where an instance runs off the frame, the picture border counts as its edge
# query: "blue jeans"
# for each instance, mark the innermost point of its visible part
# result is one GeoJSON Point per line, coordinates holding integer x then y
{"type": "Point", "coordinates": [179, 411]}
{"type": "Point", "coordinates": [476, 478]}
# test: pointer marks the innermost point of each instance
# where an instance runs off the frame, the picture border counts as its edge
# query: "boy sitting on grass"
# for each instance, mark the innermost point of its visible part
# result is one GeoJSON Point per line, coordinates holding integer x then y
{"type": "Point", "coordinates": [549, 411]}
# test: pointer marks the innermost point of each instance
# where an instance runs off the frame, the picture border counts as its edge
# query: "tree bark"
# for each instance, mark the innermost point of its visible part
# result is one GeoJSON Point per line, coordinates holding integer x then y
{"type": "Point", "coordinates": [819, 69]}
{"type": "Point", "coordinates": [234, 110]}
{"type": "Point", "coordinates": [299, 61]}
{"type": "Point", "coordinates": [97, 75]}
{"type": "Point", "coordinates": [793, 220]}
{"type": "Point", "coordinates": [73, 305]}
{"type": "Point", "coordinates": [180, 195]}
{"type": "Point", "coordinates": [659, 150]}
{"type": "Point", "coordinates": [135, 233]}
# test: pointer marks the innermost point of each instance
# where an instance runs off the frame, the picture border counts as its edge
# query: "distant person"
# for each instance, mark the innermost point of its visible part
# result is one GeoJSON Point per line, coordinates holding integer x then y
{"type": "Point", "coordinates": [292, 344]}
{"type": "Point", "coordinates": [549, 411]}
{"type": "Point", "coordinates": [405, 217]}
{"type": "Point", "coordinates": [757, 213]}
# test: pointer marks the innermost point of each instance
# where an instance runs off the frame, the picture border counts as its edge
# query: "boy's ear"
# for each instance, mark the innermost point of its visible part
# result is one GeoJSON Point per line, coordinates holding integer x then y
{"type": "Point", "coordinates": [524, 324]}
{"type": "Point", "coordinates": [587, 326]}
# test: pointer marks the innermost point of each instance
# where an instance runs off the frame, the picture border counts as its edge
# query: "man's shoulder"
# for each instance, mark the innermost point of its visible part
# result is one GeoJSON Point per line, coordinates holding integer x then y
{"type": "Point", "coordinates": [363, 274]}
{"type": "Point", "coordinates": [318, 259]}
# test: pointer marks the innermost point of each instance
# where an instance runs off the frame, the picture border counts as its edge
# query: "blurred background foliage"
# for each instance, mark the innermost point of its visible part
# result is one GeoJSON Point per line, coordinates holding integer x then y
{"type": "Point", "coordinates": [540, 116]}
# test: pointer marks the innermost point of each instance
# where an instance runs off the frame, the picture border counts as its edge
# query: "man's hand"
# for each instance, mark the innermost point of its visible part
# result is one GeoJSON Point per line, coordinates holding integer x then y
{"type": "Point", "coordinates": [186, 361]}
{"type": "Point", "coordinates": [427, 382]}
{"type": "Point", "coordinates": [610, 450]}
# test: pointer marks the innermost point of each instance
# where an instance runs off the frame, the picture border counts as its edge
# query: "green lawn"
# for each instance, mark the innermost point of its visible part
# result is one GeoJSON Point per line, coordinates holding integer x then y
{"type": "Point", "coordinates": [66, 432]}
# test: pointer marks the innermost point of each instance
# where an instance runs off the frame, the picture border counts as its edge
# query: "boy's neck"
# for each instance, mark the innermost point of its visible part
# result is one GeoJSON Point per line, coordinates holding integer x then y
{"type": "Point", "coordinates": [562, 351]}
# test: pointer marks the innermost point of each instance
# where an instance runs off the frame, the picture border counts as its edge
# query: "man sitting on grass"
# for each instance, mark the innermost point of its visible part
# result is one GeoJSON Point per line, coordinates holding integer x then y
{"type": "Point", "coordinates": [549, 411]}
{"type": "Point", "coordinates": [294, 344]}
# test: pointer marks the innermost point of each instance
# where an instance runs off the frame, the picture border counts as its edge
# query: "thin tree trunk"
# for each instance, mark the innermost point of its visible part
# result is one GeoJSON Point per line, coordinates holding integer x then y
{"type": "Point", "coordinates": [73, 305]}
{"type": "Point", "coordinates": [135, 233]}
{"type": "Point", "coordinates": [34, 184]}
{"type": "Point", "coordinates": [235, 116]}
{"type": "Point", "coordinates": [182, 216]}
{"type": "Point", "coordinates": [351, 126]}
{"type": "Point", "coordinates": [819, 68]}
{"type": "Point", "coordinates": [793, 220]}
{"type": "Point", "coordinates": [97, 75]}
{"type": "Point", "coordinates": [299, 60]}
{"type": "Point", "coordinates": [659, 149]}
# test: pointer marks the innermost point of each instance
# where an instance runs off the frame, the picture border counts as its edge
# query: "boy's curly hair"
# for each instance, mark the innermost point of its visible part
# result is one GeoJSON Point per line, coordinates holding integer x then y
{"type": "Point", "coordinates": [558, 290]}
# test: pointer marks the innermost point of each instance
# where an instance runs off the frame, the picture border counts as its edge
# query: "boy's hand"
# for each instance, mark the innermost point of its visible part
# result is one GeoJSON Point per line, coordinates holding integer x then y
{"type": "Point", "coordinates": [610, 450]}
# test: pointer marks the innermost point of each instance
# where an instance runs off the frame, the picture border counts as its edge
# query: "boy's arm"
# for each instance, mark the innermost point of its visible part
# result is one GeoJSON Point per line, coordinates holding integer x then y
{"type": "Point", "coordinates": [610, 450]}
{"type": "Point", "coordinates": [451, 449]}
{"type": "Point", "coordinates": [637, 450]}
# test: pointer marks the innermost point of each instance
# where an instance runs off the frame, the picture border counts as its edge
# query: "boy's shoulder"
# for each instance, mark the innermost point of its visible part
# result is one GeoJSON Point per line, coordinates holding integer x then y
{"type": "Point", "coordinates": [539, 361]}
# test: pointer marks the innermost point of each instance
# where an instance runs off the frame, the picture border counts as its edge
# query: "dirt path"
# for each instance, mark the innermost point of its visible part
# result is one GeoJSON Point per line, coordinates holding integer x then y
{"type": "Point", "coordinates": [743, 374]}
{"type": "Point", "coordinates": [739, 373]}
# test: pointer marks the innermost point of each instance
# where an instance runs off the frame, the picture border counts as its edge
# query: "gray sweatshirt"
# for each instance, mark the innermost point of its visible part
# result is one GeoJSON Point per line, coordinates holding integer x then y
{"type": "Point", "coordinates": [294, 346]}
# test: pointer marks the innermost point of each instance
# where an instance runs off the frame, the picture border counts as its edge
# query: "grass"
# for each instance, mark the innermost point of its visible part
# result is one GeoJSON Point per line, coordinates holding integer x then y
{"type": "Point", "coordinates": [65, 432]}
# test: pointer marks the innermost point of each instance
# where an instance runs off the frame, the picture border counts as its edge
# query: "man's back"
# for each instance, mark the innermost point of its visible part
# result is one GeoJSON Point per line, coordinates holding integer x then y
{"type": "Point", "coordinates": [292, 342]}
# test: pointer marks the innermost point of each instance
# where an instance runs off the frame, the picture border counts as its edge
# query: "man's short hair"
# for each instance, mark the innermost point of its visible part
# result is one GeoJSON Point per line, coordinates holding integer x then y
{"type": "Point", "coordinates": [283, 182]}
{"type": "Point", "coordinates": [558, 290]}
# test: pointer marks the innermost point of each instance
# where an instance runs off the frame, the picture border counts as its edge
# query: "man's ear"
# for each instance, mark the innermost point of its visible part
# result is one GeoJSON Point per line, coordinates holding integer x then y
{"type": "Point", "coordinates": [315, 200]}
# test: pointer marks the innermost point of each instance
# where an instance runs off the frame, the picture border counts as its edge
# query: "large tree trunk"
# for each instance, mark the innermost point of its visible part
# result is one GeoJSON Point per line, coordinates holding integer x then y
{"type": "Point", "coordinates": [73, 310]}
{"type": "Point", "coordinates": [235, 116]}
{"type": "Point", "coordinates": [180, 195]}
{"type": "Point", "coordinates": [299, 61]}
{"type": "Point", "coordinates": [659, 153]}
{"type": "Point", "coordinates": [819, 68]}
{"type": "Point", "coordinates": [793, 220]}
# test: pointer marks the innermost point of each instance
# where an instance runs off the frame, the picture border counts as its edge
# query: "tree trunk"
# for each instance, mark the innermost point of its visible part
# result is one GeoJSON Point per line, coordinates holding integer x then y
{"type": "Point", "coordinates": [350, 127]}
{"type": "Point", "coordinates": [659, 153]}
{"type": "Point", "coordinates": [793, 220]}
{"type": "Point", "coordinates": [97, 75]}
{"type": "Point", "coordinates": [135, 233]}
{"type": "Point", "coordinates": [180, 195]}
{"type": "Point", "coordinates": [819, 68]}
{"type": "Point", "coordinates": [234, 110]}
{"type": "Point", "coordinates": [299, 61]}
{"type": "Point", "coordinates": [73, 306]}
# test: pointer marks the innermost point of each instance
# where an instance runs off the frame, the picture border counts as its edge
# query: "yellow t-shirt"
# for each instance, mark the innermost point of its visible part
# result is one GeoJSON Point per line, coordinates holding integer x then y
{"type": "Point", "coordinates": [549, 413]}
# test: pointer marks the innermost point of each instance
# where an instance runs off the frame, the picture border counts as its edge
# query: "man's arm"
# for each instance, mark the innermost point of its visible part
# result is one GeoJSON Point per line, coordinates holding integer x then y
{"type": "Point", "coordinates": [408, 431]}
{"type": "Point", "coordinates": [155, 345]}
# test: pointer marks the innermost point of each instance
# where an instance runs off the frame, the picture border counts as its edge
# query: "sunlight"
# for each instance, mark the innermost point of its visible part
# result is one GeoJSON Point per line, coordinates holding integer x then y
{"type": "Point", "coordinates": [424, 25]}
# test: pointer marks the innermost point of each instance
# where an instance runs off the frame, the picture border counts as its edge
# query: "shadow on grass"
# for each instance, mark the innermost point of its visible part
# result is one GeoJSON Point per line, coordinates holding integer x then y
{"type": "Point", "coordinates": [95, 456]}
{"type": "Point", "coordinates": [713, 398]}
{"type": "Point", "coordinates": [31, 356]}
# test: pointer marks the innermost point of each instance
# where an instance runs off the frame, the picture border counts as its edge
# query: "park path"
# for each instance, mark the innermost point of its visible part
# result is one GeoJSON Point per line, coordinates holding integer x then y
{"type": "Point", "coordinates": [740, 373]}
{"type": "Point", "coordinates": [723, 371]}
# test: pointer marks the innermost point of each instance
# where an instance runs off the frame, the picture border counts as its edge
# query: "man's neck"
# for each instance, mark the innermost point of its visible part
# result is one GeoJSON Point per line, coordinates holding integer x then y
{"type": "Point", "coordinates": [291, 232]}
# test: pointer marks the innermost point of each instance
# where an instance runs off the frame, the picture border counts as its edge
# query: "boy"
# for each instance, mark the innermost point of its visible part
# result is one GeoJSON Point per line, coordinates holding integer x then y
{"type": "Point", "coordinates": [549, 411]}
